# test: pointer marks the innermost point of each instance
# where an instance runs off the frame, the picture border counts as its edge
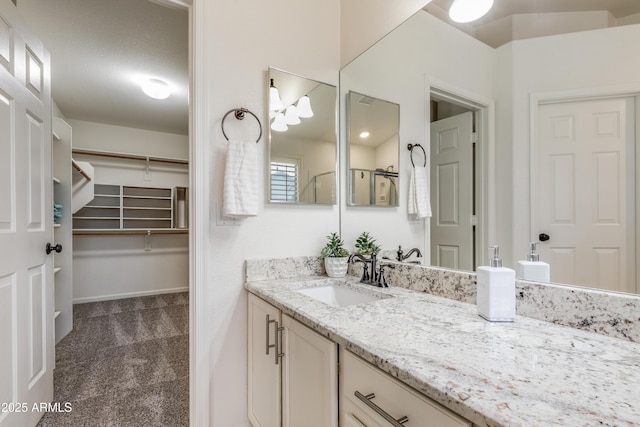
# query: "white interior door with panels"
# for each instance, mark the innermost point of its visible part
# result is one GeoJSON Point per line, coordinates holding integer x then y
{"type": "Point", "coordinates": [452, 192]}
{"type": "Point", "coordinates": [586, 192]}
{"type": "Point", "coordinates": [26, 223]}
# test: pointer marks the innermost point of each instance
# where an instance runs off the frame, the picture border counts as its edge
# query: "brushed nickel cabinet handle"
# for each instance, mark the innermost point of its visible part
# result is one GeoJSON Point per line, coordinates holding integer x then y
{"type": "Point", "coordinates": [269, 321]}
{"type": "Point", "coordinates": [278, 354]}
{"type": "Point", "coordinates": [378, 410]}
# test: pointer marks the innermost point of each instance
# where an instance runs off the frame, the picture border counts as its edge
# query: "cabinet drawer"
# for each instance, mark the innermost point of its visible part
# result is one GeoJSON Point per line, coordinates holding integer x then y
{"type": "Point", "coordinates": [391, 396]}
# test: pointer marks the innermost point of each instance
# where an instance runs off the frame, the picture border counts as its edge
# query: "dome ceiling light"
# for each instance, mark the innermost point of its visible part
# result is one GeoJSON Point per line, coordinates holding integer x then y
{"type": "Point", "coordinates": [155, 88]}
{"type": "Point", "coordinates": [463, 11]}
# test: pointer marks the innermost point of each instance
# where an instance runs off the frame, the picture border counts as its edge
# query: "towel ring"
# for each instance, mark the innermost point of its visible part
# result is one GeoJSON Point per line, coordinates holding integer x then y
{"type": "Point", "coordinates": [410, 147]}
{"type": "Point", "coordinates": [239, 114]}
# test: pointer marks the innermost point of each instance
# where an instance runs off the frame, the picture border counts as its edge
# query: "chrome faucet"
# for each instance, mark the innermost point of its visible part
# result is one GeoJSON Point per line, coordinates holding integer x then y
{"type": "Point", "coordinates": [401, 257]}
{"type": "Point", "coordinates": [376, 277]}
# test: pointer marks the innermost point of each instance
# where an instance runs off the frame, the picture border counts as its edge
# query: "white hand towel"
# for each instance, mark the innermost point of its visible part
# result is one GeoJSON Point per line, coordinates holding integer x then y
{"type": "Point", "coordinates": [240, 196]}
{"type": "Point", "coordinates": [419, 202]}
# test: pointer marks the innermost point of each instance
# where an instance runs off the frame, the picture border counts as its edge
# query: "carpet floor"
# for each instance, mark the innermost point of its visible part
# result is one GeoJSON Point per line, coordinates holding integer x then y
{"type": "Point", "coordinates": [126, 363]}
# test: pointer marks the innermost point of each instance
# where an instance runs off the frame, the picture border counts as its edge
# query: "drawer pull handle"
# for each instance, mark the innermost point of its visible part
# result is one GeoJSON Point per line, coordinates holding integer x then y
{"type": "Point", "coordinates": [378, 410]}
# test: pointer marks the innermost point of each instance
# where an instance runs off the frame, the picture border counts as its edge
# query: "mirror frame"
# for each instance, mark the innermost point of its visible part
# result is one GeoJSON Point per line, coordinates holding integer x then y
{"type": "Point", "coordinates": [349, 187]}
{"type": "Point", "coordinates": [336, 124]}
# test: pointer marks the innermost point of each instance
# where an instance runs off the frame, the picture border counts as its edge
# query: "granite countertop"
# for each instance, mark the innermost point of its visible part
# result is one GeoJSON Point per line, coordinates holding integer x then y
{"type": "Point", "coordinates": [525, 373]}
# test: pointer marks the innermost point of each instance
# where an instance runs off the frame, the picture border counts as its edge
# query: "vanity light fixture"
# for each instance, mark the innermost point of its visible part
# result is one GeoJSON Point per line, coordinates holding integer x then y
{"type": "Point", "coordinates": [275, 103]}
{"type": "Point", "coordinates": [463, 11]}
{"type": "Point", "coordinates": [304, 107]}
{"type": "Point", "coordinates": [291, 115]}
{"type": "Point", "coordinates": [155, 88]}
{"type": "Point", "coordinates": [279, 124]}
{"type": "Point", "coordinates": [364, 134]}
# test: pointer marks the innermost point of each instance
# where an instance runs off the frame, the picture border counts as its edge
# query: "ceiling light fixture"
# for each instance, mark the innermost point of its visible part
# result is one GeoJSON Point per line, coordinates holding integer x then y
{"type": "Point", "coordinates": [156, 89]}
{"type": "Point", "coordinates": [275, 103]}
{"type": "Point", "coordinates": [364, 134]}
{"type": "Point", "coordinates": [463, 11]}
{"type": "Point", "coordinates": [291, 115]}
{"type": "Point", "coordinates": [304, 107]}
{"type": "Point", "coordinates": [279, 124]}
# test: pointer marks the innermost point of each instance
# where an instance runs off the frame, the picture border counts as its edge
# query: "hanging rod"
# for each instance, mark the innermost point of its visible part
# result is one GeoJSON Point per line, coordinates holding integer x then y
{"type": "Point", "coordinates": [79, 169]}
{"type": "Point", "coordinates": [121, 232]}
{"type": "Point", "coordinates": [129, 156]}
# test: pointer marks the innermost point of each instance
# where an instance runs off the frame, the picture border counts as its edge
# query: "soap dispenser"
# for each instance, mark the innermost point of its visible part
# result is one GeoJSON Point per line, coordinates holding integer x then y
{"type": "Point", "coordinates": [533, 268]}
{"type": "Point", "coordinates": [496, 294]}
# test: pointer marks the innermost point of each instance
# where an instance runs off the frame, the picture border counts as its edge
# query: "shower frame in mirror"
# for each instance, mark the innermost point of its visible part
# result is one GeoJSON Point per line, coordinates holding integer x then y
{"type": "Point", "coordinates": [374, 177]}
{"type": "Point", "coordinates": [306, 154]}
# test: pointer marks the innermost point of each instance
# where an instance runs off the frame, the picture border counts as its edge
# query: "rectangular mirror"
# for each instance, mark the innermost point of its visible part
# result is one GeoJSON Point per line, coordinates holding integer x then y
{"type": "Point", "coordinates": [374, 150]}
{"type": "Point", "coordinates": [302, 140]}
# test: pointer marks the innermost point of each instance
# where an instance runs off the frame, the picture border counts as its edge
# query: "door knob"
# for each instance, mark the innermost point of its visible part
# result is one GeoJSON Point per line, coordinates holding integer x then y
{"type": "Point", "coordinates": [50, 248]}
{"type": "Point", "coordinates": [543, 237]}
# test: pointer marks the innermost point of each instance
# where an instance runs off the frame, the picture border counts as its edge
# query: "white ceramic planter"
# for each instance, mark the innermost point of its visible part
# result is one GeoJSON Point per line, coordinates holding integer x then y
{"type": "Point", "coordinates": [336, 267]}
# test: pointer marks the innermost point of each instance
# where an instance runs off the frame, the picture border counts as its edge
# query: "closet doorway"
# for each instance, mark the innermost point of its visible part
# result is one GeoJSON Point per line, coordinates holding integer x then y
{"type": "Point", "coordinates": [123, 293]}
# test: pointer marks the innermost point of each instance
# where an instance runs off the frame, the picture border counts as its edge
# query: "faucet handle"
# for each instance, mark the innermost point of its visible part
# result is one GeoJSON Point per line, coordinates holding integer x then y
{"type": "Point", "coordinates": [382, 282]}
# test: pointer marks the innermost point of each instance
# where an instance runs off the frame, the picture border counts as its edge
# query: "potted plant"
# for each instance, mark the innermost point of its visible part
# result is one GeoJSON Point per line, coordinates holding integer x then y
{"type": "Point", "coordinates": [365, 244]}
{"type": "Point", "coordinates": [335, 256]}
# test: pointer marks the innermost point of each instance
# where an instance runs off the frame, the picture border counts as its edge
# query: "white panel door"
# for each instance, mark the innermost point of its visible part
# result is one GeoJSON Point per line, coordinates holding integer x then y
{"type": "Point", "coordinates": [26, 221]}
{"type": "Point", "coordinates": [309, 377]}
{"type": "Point", "coordinates": [586, 192]}
{"type": "Point", "coordinates": [452, 192]}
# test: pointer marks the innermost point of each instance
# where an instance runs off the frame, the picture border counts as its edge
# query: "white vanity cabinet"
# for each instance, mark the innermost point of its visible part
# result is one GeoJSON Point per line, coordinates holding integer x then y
{"type": "Point", "coordinates": [372, 398]}
{"type": "Point", "coordinates": [292, 371]}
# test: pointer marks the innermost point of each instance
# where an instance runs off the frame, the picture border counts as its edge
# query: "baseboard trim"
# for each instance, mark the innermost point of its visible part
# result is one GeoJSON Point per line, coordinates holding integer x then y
{"type": "Point", "coordinates": [130, 295]}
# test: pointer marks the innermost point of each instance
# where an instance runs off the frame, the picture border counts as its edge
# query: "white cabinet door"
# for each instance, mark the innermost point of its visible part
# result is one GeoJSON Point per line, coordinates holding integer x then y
{"type": "Point", "coordinates": [309, 377]}
{"type": "Point", "coordinates": [264, 374]}
{"type": "Point", "coordinates": [26, 223]}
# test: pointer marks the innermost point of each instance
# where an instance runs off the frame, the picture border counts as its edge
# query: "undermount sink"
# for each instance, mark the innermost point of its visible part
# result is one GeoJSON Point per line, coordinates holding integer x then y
{"type": "Point", "coordinates": [339, 296]}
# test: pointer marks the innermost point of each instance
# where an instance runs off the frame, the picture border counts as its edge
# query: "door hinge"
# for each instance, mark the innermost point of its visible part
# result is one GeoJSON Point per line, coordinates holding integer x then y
{"type": "Point", "coordinates": [474, 220]}
{"type": "Point", "coordinates": [474, 137]}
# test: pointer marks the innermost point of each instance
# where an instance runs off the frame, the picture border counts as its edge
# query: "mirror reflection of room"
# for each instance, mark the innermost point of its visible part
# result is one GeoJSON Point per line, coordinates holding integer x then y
{"type": "Point", "coordinates": [519, 79]}
{"type": "Point", "coordinates": [373, 151]}
{"type": "Point", "coordinates": [302, 136]}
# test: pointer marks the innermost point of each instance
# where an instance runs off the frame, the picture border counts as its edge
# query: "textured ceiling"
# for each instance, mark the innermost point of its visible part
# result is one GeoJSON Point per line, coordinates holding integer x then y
{"type": "Point", "coordinates": [100, 49]}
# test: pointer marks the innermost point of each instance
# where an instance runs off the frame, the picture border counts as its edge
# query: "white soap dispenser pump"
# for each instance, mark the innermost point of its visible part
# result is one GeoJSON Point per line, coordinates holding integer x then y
{"type": "Point", "coordinates": [533, 268]}
{"type": "Point", "coordinates": [496, 293]}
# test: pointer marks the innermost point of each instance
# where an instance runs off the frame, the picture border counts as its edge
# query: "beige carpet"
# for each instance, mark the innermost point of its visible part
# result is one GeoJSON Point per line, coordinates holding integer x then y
{"type": "Point", "coordinates": [126, 363]}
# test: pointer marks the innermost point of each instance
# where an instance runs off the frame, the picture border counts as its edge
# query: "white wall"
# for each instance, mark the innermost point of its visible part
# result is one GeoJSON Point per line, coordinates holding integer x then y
{"type": "Point", "coordinates": [240, 41]}
{"type": "Point", "coordinates": [107, 267]}
{"type": "Point", "coordinates": [605, 60]}
{"type": "Point", "coordinates": [395, 70]}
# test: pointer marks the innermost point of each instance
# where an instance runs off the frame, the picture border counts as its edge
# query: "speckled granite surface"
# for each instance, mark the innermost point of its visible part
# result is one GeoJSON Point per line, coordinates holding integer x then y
{"type": "Point", "coordinates": [606, 313]}
{"type": "Point", "coordinates": [526, 373]}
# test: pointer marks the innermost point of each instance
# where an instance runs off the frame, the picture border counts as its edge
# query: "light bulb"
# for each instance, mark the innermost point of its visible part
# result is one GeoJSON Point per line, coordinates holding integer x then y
{"type": "Point", "coordinates": [304, 107]}
{"type": "Point", "coordinates": [278, 123]}
{"type": "Point", "coordinates": [291, 116]}
{"type": "Point", "coordinates": [463, 11]}
{"type": "Point", "coordinates": [275, 103]}
{"type": "Point", "coordinates": [155, 88]}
